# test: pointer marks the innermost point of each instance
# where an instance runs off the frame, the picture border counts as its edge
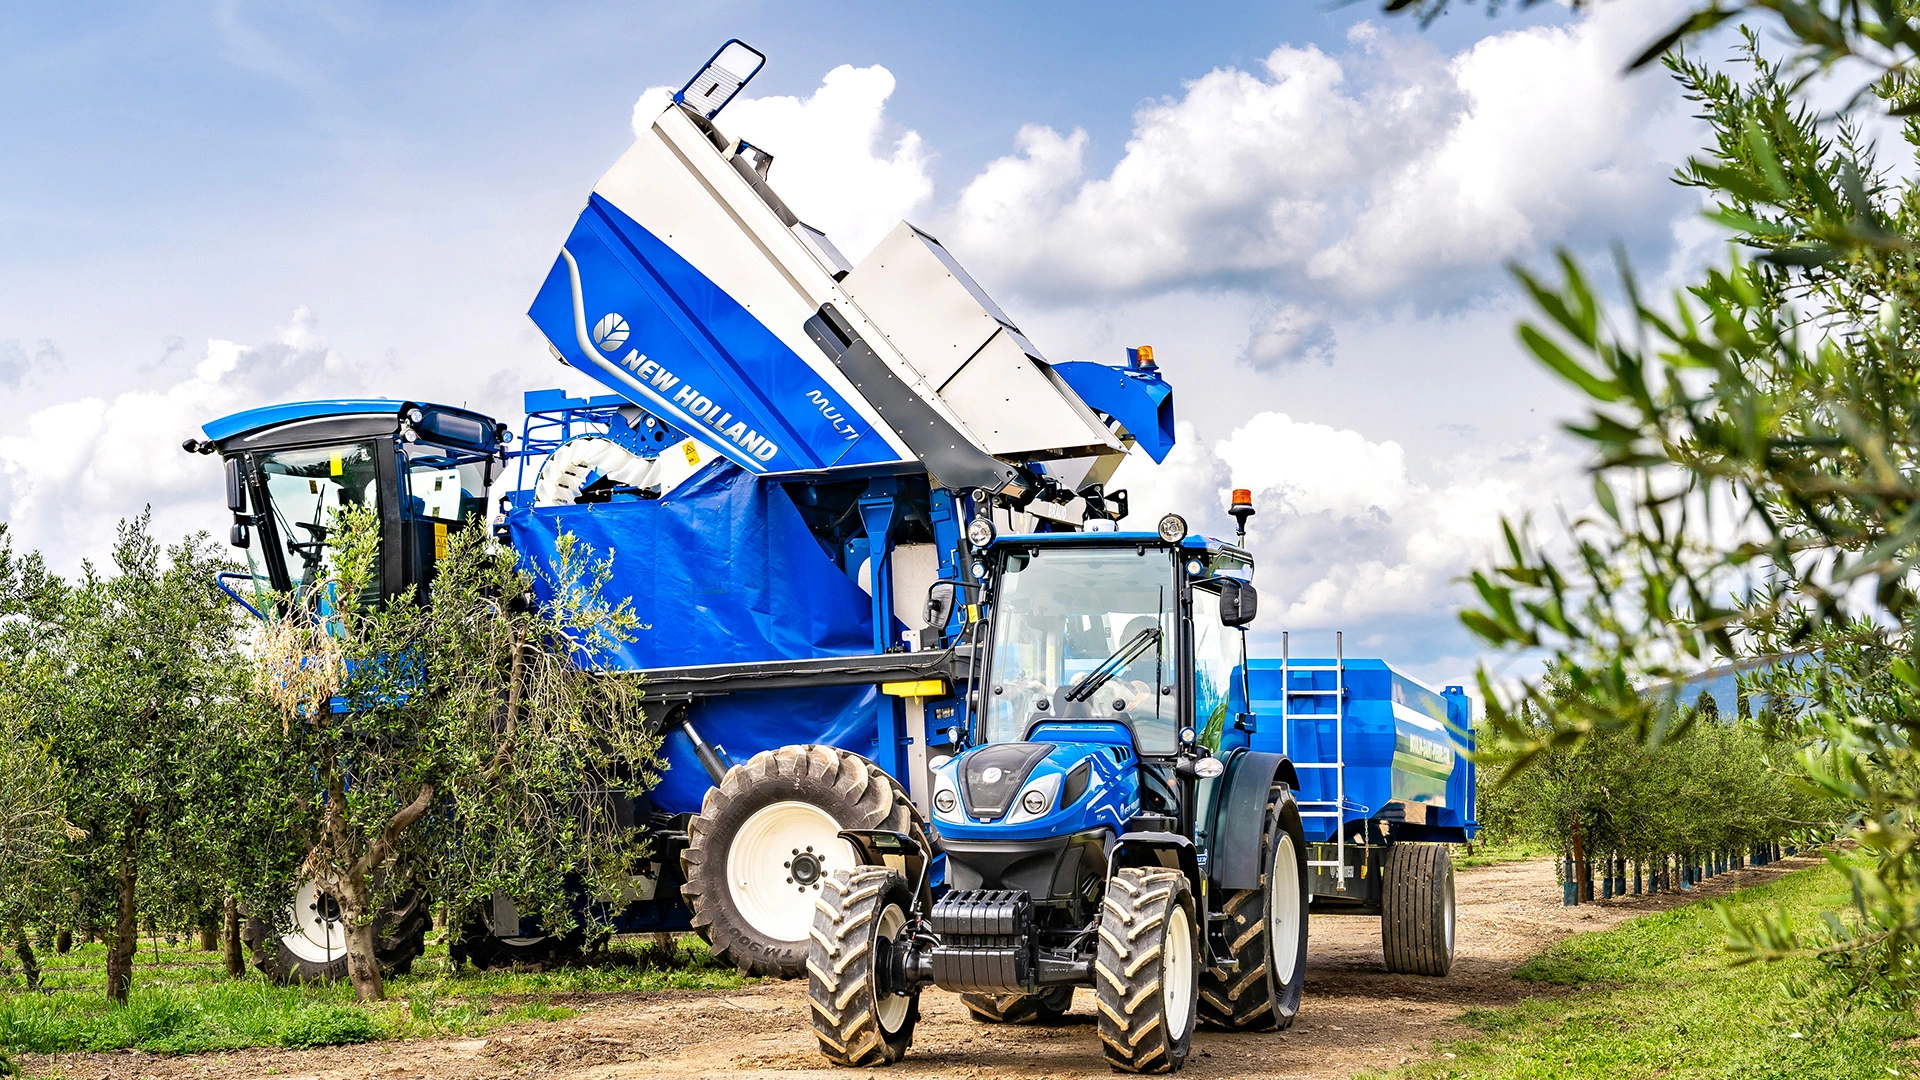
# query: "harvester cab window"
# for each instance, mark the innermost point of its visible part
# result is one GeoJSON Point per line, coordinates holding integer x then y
{"type": "Point", "coordinates": [305, 490]}
{"type": "Point", "coordinates": [1085, 633]}
{"type": "Point", "coordinates": [446, 485]}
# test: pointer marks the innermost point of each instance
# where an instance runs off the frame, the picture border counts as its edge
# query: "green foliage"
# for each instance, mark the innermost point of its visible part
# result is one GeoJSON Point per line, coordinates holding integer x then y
{"type": "Point", "coordinates": [1655, 997]}
{"type": "Point", "coordinates": [475, 753]}
{"type": "Point", "coordinates": [329, 1025]}
{"type": "Point", "coordinates": [1758, 487]}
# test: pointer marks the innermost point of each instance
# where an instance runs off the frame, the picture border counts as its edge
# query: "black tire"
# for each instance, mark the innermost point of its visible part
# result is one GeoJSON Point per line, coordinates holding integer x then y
{"type": "Point", "coordinates": [480, 944]}
{"type": "Point", "coordinates": [1143, 985]}
{"type": "Point", "coordinates": [1417, 909]}
{"type": "Point", "coordinates": [755, 923]}
{"type": "Point", "coordinates": [401, 938]}
{"type": "Point", "coordinates": [1043, 1008]}
{"type": "Point", "coordinates": [860, 913]}
{"type": "Point", "coordinates": [1263, 992]}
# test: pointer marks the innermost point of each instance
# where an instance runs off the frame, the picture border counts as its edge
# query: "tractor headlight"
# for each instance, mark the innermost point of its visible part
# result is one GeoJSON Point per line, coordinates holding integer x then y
{"type": "Point", "coordinates": [980, 532]}
{"type": "Point", "coordinates": [1173, 528]}
{"type": "Point", "coordinates": [1034, 802]}
{"type": "Point", "coordinates": [946, 801]}
{"type": "Point", "coordinates": [1208, 767]}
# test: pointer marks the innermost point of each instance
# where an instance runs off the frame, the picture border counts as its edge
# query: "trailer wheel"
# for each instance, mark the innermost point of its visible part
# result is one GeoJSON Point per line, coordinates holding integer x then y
{"type": "Point", "coordinates": [1146, 972]}
{"type": "Point", "coordinates": [1416, 917]}
{"type": "Point", "coordinates": [1267, 934]}
{"type": "Point", "coordinates": [765, 842]}
{"type": "Point", "coordinates": [314, 948]}
{"type": "Point", "coordinates": [856, 1019]}
{"type": "Point", "coordinates": [1019, 1008]}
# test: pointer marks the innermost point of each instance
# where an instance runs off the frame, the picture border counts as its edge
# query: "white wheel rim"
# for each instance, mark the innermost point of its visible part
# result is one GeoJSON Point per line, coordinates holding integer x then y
{"type": "Point", "coordinates": [315, 938]}
{"type": "Point", "coordinates": [1283, 910]}
{"type": "Point", "coordinates": [760, 866]}
{"type": "Point", "coordinates": [891, 1009]}
{"type": "Point", "coordinates": [1176, 972]}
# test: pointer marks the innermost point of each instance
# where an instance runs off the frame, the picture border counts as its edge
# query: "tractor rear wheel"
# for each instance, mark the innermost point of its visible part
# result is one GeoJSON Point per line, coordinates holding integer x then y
{"type": "Point", "coordinates": [1146, 972]}
{"type": "Point", "coordinates": [1040, 1008]}
{"type": "Point", "coordinates": [314, 947]}
{"type": "Point", "coordinates": [765, 842]}
{"type": "Point", "coordinates": [857, 1019]}
{"type": "Point", "coordinates": [1417, 912]}
{"type": "Point", "coordinates": [1267, 934]}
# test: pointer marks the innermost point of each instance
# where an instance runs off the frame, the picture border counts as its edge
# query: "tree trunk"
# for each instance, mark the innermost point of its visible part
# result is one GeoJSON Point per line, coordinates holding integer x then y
{"type": "Point", "coordinates": [63, 941]}
{"type": "Point", "coordinates": [125, 938]}
{"type": "Point", "coordinates": [363, 963]}
{"type": "Point", "coordinates": [209, 933]}
{"type": "Point", "coordinates": [230, 940]}
{"type": "Point", "coordinates": [29, 964]}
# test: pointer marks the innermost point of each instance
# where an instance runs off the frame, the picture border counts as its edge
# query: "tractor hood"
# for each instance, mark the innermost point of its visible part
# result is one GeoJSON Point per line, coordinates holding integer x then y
{"type": "Point", "coordinates": [1049, 787]}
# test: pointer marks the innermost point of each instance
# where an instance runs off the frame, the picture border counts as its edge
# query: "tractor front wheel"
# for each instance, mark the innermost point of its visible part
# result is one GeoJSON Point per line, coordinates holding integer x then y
{"type": "Point", "coordinates": [766, 841]}
{"type": "Point", "coordinates": [858, 925]}
{"type": "Point", "coordinates": [1267, 934]}
{"type": "Point", "coordinates": [1146, 971]}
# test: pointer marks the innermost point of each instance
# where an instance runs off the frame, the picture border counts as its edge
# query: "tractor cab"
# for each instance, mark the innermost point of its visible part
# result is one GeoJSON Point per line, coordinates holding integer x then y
{"type": "Point", "coordinates": [290, 469]}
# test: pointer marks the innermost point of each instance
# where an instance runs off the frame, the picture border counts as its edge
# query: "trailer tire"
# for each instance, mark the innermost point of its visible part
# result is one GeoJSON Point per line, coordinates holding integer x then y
{"type": "Point", "coordinates": [1266, 933]}
{"type": "Point", "coordinates": [736, 865]}
{"type": "Point", "coordinates": [1041, 1008]}
{"type": "Point", "coordinates": [859, 914]}
{"type": "Point", "coordinates": [306, 953]}
{"type": "Point", "coordinates": [1417, 909]}
{"type": "Point", "coordinates": [1146, 971]}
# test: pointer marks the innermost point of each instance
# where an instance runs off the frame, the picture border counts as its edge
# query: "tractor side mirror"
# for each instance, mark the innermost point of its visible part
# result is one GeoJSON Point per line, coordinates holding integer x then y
{"type": "Point", "coordinates": [940, 601]}
{"type": "Point", "coordinates": [239, 536]}
{"type": "Point", "coordinates": [236, 486]}
{"type": "Point", "coordinates": [1239, 603]}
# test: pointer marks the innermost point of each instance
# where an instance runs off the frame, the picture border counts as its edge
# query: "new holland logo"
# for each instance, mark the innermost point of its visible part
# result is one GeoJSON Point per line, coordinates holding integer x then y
{"type": "Point", "coordinates": [611, 333]}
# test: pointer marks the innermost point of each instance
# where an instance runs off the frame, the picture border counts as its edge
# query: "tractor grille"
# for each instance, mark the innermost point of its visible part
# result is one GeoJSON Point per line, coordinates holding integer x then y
{"type": "Point", "coordinates": [986, 941]}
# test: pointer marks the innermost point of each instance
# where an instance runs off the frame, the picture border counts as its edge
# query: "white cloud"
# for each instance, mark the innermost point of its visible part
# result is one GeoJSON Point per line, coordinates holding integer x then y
{"type": "Point", "coordinates": [69, 470]}
{"type": "Point", "coordinates": [1348, 535]}
{"type": "Point", "coordinates": [838, 162]}
{"type": "Point", "coordinates": [1384, 171]}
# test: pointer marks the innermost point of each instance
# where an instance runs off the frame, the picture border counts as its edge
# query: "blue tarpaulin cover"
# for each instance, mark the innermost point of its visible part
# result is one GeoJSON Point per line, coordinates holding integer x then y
{"type": "Point", "coordinates": [722, 570]}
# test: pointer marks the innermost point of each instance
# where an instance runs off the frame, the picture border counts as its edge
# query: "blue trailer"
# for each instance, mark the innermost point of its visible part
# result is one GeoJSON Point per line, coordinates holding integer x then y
{"type": "Point", "coordinates": [923, 705]}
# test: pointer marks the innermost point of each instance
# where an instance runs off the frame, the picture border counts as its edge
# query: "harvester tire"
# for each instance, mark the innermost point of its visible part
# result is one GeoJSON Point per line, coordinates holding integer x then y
{"type": "Point", "coordinates": [1417, 910]}
{"type": "Point", "coordinates": [309, 952]}
{"type": "Point", "coordinates": [480, 945]}
{"type": "Point", "coordinates": [1266, 933]}
{"type": "Point", "coordinates": [767, 839]}
{"type": "Point", "coordinates": [1146, 970]}
{"type": "Point", "coordinates": [861, 912]}
{"type": "Point", "coordinates": [1041, 1008]}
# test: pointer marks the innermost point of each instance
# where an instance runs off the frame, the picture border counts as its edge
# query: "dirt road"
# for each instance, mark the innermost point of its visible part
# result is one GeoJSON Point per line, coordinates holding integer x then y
{"type": "Point", "coordinates": [1356, 1016]}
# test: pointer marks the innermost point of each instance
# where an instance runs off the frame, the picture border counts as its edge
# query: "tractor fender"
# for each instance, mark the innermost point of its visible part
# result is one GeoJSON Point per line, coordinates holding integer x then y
{"type": "Point", "coordinates": [1166, 849]}
{"type": "Point", "coordinates": [1241, 816]}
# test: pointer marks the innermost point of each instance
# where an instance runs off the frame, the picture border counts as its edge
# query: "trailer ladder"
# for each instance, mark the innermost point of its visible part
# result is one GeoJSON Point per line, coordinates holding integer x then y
{"type": "Point", "coordinates": [1321, 808]}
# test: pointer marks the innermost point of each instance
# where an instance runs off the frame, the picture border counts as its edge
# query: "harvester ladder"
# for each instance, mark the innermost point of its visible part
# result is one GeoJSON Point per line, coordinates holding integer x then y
{"type": "Point", "coordinates": [1321, 808]}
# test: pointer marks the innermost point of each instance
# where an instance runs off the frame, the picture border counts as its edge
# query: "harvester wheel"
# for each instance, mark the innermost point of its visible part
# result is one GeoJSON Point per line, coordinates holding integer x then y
{"type": "Point", "coordinates": [481, 944]}
{"type": "Point", "coordinates": [1266, 933]}
{"type": "Point", "coordinates": [1146, 970]}
{"type": "Point", "coordinates": [767, 838]}
{"type": "Point", "coordinates": [314, 948]}
{"type": "Point", "coordinates": [860, 916]}
{"type": "Point", "coordinates": [1019, 1008]}
{"type": "Point", "coordinates": [1416, 917]}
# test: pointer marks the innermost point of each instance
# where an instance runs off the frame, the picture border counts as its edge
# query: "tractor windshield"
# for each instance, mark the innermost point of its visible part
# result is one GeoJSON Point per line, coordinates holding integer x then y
{"type": "Point", "coordinates": [305, 491]}
{"type": "Point", "coordinates": [1082, 633]}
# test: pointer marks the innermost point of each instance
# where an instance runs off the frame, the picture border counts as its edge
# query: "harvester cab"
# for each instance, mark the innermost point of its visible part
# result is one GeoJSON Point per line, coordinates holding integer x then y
{"type": "Point", "coordinates": [291, 469]}
{"type": "Point", "coordinates": [1108, 825]}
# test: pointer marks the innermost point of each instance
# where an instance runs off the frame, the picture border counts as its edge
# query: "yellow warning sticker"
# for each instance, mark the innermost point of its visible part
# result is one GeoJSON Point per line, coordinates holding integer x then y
{"type": "Point", "coordinates": [336, 465]}
{"type": "Point", "coordinates": [693, 454]}
{"type": "Point", "coordinates": [439, 540]}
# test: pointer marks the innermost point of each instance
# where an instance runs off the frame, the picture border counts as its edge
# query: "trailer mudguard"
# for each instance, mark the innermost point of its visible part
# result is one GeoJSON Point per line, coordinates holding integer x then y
{"type": "Point", "coordinates": [1241, 816]}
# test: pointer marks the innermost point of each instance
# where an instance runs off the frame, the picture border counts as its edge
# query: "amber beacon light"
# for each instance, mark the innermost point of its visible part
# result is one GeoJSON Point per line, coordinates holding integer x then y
{"type": "Point", "coordinates": [1242, 509]}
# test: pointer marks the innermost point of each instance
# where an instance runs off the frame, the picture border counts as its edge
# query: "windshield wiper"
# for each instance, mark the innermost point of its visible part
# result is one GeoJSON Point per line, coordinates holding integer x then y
{"type": "Point", "coordinates": [1113, 665]}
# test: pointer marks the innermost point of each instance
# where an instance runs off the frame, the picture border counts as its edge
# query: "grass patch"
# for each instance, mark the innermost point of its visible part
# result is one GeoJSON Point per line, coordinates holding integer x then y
{"type": "Point", "coordinates": [183, 1001]}
{"type": "Point", "coordinates": [1659, 996]}
{"type": "Point", "coordinates": [1511, 851]}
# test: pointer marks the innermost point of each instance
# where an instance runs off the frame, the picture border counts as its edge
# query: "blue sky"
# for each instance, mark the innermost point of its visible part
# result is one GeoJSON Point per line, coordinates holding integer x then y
{"type": "Point", "coordinates": [1307, 210]}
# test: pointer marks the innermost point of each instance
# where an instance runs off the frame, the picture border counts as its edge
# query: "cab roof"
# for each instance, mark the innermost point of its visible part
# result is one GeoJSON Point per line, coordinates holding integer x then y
{"type": "Point", "coordinates": [271, 416]}
{"type": "Point", "coordinates": [1215, 550]}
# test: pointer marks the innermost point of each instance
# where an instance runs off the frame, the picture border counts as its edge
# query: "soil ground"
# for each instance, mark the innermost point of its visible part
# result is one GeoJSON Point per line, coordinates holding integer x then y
{"type": "Point", "coordinates": [1356, 1016]}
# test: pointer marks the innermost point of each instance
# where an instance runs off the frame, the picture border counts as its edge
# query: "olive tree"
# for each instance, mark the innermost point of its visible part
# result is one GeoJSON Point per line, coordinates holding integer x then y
{"type": "Point", "coordinates": [458, 743]}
